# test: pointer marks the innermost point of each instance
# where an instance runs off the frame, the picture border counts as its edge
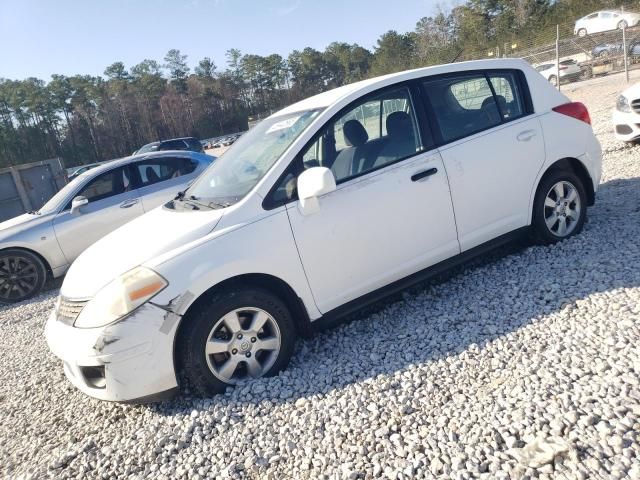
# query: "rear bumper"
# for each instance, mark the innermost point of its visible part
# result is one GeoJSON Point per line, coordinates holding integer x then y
{"type": "Point", "coordinates": [129, 361]}
{"type": "Point", "coordinates": [626, 125]}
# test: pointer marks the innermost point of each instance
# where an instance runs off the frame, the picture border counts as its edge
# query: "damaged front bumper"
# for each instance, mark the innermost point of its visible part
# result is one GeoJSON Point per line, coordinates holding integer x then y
{"type": "Point", "coordinates": [128, 361]}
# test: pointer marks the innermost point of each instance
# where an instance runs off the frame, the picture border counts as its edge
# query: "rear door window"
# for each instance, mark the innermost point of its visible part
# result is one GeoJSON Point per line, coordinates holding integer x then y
{"type": "Point", "coordinates": [508, 95]}
{"type": "Point", "coordinates": [155, 170]}
{"type": "Point", "coordinates": [174, 145]}
{"type": "Point", "coordinates": [465, 104]}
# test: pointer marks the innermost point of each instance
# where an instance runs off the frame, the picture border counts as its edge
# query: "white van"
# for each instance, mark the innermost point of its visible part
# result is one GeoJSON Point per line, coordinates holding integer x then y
{"type": "Point", "coordinates": [323, 207]}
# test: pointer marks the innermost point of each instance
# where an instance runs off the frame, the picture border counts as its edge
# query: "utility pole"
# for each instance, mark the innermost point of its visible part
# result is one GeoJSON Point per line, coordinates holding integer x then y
{"type": "Point", "coordinates": [558, 55]}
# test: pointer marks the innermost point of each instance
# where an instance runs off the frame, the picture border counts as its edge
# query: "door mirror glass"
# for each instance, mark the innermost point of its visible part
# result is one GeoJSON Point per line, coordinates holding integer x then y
{"type": "Point", "coordinates": [313, 183]}
{"type": "Point", "coordinates": [77, 203]}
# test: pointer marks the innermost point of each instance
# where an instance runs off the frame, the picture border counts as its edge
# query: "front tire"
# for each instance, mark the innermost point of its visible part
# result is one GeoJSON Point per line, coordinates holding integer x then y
{"type": "Point", "coordinates": [237, 335]}
{"type": "Point", "coordinates": [622, 24]}
{"type": "Point", "coordinates": [553, 80]}
{"type": "Point", "coordinates": [22, 275]}
{"type": "Point", "coordinates": [582, 32]}
{"type": "Point", "coordinates": [559, 207]}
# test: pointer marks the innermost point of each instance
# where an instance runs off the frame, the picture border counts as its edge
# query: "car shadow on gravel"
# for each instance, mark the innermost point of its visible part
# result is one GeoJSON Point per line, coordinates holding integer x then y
{"type": "Point", "coordinates": [471, 305]}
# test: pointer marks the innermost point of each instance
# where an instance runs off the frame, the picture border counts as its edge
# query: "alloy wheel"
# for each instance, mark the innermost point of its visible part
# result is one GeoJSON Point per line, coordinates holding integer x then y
{"type": "Point", "coordinates": [243, 344]}
{"type": "Point", "coordinates": [562, 209]}
{"type": "Point", "coordinates": [18, 277]}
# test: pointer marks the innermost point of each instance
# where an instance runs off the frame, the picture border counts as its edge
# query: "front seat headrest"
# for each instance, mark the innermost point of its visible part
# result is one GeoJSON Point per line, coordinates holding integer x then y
{"type": "Point", "coordinates": [355, 134]}
{"type": "Point", "coordinates": [399, 124]}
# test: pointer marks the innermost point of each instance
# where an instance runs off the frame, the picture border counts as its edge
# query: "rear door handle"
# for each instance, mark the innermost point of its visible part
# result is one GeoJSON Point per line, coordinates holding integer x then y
{"type": "Point", "coordinates": [128, 203]}
{"type": "Point", "coordinates": [526, 135]}
{"type": "Point", "coordinates": [424, 174]}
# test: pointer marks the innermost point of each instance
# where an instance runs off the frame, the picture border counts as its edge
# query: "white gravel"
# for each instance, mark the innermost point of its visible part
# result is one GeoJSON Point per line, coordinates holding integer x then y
{"type": "Point", "coordinates": [526, 366]}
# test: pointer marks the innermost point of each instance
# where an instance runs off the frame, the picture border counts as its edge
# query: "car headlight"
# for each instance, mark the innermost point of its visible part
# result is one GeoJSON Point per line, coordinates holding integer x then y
{"type": "Point", "coordinates": [121, 297]}
{"type": "Point", "coordinates": [623, 104]}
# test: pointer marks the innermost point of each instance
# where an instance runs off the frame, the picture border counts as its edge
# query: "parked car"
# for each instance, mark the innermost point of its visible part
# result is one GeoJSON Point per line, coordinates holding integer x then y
{"type": "Point", "coordinates": [569, 71]}
{"type": "Point", "coordinates": [75, 171]}
{"type": "Point", "coordinates": [43, 244]}
{"type": "Point", "coordinates": [325, 206]}
{"type": "Point", "coordinates": [626, 115]}
{"type": "Point", "coordinates": [605, 20]}
{"type": "Point", "coordinates": [610, 49]}
{"type": "Point", "coordinates": [185, 143]}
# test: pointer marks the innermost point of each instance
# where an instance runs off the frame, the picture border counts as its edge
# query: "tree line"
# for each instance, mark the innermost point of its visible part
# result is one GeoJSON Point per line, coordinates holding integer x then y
{"type": "Point", "coordinates": [84, 118]}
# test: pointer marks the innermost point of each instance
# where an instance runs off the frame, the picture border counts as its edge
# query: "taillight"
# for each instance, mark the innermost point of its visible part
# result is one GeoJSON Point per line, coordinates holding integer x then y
{"type": "Point", "coordinates": [563, 68]}
{"type": "Point", "coordinates": [576, 110]}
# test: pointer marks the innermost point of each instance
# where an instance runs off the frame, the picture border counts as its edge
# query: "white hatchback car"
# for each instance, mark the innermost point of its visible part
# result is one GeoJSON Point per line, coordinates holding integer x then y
{"type": "Point", "coordinates": [323, 207]}
{"type": "Point", "coordinates": [568, 71]}
{"type": "Point", "coordinates": [605, 20]}
{"type": "Point", "coordinates": [626, 115]}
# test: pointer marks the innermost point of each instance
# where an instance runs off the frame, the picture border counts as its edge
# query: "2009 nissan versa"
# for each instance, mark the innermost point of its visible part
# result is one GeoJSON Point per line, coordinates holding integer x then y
{"type": "Point", "coordinates": [321, 208]}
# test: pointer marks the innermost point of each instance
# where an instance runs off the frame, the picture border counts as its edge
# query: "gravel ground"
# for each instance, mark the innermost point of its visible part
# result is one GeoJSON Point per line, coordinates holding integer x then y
{"type": "Point", "coordinates": [525, 366]}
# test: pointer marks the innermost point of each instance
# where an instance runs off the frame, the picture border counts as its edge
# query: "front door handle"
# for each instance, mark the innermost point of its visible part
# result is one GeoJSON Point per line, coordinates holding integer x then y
{"type": "Point", "coordinates": [526, 135]}
{"type": "Point", "coordinates": [424, 174]}
{"type": "Point", "coordinates": [128, 203]}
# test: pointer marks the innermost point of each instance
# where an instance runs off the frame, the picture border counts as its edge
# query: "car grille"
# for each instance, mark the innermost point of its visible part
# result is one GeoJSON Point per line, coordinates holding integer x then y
{"type": "Point", "coordinates": [68, 310]}
{"type": "Point", "coordinates": [635, 105]}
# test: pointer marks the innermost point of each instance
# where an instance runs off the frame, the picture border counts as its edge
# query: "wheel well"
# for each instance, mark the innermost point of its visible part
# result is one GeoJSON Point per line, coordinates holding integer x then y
{"type": "Point", "coordinates": [577, 167]}
{"type": "Point", "coordinates": [33, 252]}
{"type": "Point", "coordinates": [273, 284]}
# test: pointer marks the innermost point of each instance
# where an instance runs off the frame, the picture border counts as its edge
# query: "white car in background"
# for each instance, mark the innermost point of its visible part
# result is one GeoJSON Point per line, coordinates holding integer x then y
{"type": "Point", "coordinates": [325, 206]}
{"type": "Point", "coordinates": [626, 115]}
{"type": "Point", "coordinates": [569, 71]}
{"type": "Point", "coordinates": [605, 20]}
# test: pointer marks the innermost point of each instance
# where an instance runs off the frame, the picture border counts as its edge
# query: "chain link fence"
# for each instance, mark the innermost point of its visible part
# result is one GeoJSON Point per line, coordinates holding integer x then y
{"type": "Point", "coordinates": [569, 54]}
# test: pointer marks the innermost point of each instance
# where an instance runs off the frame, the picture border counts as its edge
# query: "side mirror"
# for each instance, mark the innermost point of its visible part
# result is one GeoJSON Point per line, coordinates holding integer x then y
{"type": "Point", "coordinates": [314, 183]}
{"type": "Point", "coordinates": [76, 203]}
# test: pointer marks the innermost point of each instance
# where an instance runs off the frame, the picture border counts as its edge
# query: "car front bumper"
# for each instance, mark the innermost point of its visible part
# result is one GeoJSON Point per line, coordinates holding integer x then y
{"type": "Point", "coordinates": [128, 361]}
{"type": "Point", "coordinates": [626, 125]}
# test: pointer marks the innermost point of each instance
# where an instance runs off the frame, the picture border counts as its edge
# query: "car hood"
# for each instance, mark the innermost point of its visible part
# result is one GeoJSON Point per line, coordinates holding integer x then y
{"type": "Point", "coordinates": [18, 224]}
{"type": "Point", "coordinates": [157, 232]}
{"type": "Point", "coordinates": [633, 92]}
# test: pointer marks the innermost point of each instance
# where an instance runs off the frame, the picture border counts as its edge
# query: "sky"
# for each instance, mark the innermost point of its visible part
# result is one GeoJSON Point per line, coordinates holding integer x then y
{"type": "Point", "coordinates": [42, 37]}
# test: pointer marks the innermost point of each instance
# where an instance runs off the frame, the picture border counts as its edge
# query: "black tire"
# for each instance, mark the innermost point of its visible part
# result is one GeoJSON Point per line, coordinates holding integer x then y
{"type": "Point", "coordinates": [553, 80]}
{"type": "Point", "coordinates": [22, 275]}
{"type": "Point", "coordinates": [193, 362]}
{"type": "Point", "coordinates": [582, 32]}
{"type": "Point", "coordinates": [540, 231]}
{"type": "Point", "coordinates": [622, 24]}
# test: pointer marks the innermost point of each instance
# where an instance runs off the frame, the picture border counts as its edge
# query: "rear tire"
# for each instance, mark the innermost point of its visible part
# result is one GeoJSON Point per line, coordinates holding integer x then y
{"type": "Point", "coordinates": [623, 24]}
{"type": "Point", "coordinates": [233, 337]}
{"type": "Point", "coordinates": [559, 207]}
{"type": "Point", "coordinates": [553, 80]}
{"type": "Point", "coordinates": [22, 275]}
{"type": "Point", "coordinates": [587, 73]}
{"type": "Point", "coordinates": [582, 32]}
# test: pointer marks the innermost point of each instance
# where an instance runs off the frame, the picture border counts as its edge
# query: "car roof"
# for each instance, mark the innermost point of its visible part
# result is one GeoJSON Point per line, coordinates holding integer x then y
{"type": "Point", "coordinates": [330, 97]}
{"type": "Point", "coordinates": [179, 138]}
{"type": "Point", "coordinates": [109, 164]}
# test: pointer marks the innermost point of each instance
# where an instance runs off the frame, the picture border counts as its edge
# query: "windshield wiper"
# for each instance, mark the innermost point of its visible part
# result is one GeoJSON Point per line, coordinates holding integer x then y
{"type": "Point", "coordinates": [194, 201]}
{"type": "Point", "coordinates": [180, 195]}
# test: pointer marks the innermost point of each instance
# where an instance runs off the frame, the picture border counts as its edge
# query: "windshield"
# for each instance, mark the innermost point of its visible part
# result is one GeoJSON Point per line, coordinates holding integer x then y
{"type": "Point", "coordinates": [150, 147]}
{"type": "Point", "coordinates": [241, 167]}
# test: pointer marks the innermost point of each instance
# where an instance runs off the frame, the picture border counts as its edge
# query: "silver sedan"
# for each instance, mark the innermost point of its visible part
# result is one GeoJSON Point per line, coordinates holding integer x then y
{"type": "Point", "coordinates": [43, 244]}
